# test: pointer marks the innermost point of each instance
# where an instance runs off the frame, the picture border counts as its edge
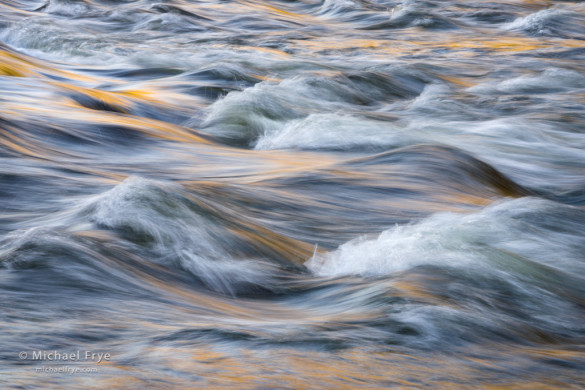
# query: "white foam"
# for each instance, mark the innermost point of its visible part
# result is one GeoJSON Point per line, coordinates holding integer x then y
{"type": "Point", "coordinates": [333, 131]}
{"type": "Point", "coordinates": [334, 7]}
{"type": "Point", "coordinates": [549, 80]}
{"type": "Point", "coordinates": [462, 241]}
{"type": "Point", "coordinates": [549, 22]}
{"type": "Point", "coordinates": [69, 8]}
{"type": "Point", "coordinates": [267, 107]}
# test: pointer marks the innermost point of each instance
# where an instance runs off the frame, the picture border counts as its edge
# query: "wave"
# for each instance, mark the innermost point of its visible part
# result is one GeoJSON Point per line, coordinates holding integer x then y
{"type": "Point", "coordinates": [550, 80]}
{"type": "Point", "coordinates": [68, 8]}
{"type": "Point", "coordinates": [446, 167]}
{"type": "Point", "coordinates": [267, 108]}
{"type": "Point", "coordinates": [414, 14]}
{"type": "Point", "coordinates": [554, 22]}
{"type": "Point", "coordinates": [513, 269]}
{"type": "Point", "coordinates": [334, 131]}
{"type": "Point", "coordinates": [162, 225]}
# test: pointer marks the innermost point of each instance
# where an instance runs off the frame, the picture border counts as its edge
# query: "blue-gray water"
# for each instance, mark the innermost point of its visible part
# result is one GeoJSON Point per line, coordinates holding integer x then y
{"type": "Point", "coordinates": [308, 194]}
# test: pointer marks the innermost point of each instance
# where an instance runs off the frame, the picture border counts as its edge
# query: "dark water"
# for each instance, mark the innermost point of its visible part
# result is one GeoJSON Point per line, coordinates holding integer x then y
{"type": "Point", "coordinates": [293, 194]}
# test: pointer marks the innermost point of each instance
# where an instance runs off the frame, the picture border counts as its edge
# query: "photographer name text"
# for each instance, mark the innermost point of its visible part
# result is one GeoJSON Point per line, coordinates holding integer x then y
{"type": "Point", "coordinates": [74, 356]}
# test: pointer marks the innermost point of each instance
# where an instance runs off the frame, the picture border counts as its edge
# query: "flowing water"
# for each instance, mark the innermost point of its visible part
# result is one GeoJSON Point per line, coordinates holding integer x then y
{"type": "Point", "coordinates": [293, 194]}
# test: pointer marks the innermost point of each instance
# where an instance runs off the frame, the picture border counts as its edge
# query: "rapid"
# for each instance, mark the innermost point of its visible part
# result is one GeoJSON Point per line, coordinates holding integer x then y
{"type": "Point", "coordinates": [293, 194]}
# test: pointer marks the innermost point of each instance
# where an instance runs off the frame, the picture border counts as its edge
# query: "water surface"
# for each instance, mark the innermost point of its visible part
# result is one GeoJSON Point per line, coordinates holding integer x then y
{"type": "Point", "coordinates": [293, 194]}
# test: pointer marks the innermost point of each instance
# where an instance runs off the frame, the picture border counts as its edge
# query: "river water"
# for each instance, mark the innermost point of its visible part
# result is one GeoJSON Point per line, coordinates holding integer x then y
{"type": "Point", "coordinates": [292, 194]}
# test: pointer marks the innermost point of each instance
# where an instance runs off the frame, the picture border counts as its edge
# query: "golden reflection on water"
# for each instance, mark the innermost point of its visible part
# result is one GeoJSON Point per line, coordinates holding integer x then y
{"type": "Point", "coordinates": [21, 65]}
{"type": "Point", "coordinates": [462, 46]}
{"type": "Point", "coordinates": [205, 366]}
